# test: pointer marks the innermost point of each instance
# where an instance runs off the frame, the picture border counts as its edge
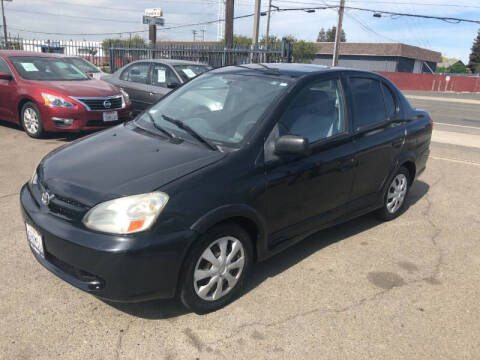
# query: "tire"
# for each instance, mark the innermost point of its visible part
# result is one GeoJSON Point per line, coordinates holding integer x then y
{"type": "Point", "coordinates": [31, 120]}
{"type": "Point", "coordinates": [395, 195]}
{"type": "Point", "coordinates": [204, 295]}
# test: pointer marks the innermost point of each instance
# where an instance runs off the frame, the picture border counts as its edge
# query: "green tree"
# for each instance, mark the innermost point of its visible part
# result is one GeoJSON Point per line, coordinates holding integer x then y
{"type": "Point", "coordinates": [329, 35]}
{"type": "Point", "coordinates": [304, 51]}
{"type": "Point", "coordinates": [474, 63]}
{"type": "Point", "coordinates": [136, 41]}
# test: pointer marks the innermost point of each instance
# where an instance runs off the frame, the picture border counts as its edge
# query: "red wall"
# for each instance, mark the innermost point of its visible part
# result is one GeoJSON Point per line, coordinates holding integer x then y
{"type": "Point", "coordinates": [434, 82]}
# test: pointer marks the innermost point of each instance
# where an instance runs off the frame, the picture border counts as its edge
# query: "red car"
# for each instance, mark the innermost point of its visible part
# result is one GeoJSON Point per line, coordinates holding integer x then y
{"type": "Point", "coordinates": [46, 93]}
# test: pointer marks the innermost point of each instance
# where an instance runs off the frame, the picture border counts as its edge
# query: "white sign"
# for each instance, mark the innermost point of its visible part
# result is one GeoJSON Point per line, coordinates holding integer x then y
{"type": "Point", "coordinates": [161, 76]}
{"type": "Point", "coordinates": [156, 12]}
{"type": "Point", "coordinates": [189, 73]}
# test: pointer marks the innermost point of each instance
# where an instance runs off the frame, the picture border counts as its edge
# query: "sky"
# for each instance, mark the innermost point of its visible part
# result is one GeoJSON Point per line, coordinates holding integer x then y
{"type": "Point", "coordinates": [103, 16]}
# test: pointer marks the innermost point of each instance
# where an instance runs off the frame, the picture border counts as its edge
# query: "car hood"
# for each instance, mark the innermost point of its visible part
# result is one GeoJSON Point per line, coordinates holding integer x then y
{"type": "Point", "coordinates": [82, 88]}
{"type": "Point", "coordinates": [121, 161]}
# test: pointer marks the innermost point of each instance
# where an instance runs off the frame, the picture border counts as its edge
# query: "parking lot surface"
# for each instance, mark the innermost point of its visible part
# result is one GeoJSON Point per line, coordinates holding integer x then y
{"type": "Point", "coordinates": [406, 289]}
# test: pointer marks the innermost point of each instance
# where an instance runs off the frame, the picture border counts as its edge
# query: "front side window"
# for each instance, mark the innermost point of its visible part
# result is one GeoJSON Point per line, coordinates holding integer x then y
{"type": "Point", "coordinates": [316, 113]}
{"type": "Point", "coordinates": [369, 106]}
{"type": "Point", "coordinates": [136, 73]}
{"type": "Point", "coordinates": [222, 108]}
{"type": "Point", "coordinates": [164, 76]}
{"type": "Point", "coordinates": [47, 69]}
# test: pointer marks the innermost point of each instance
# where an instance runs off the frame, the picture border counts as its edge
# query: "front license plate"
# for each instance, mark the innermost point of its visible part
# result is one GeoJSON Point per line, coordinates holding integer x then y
{"type": "Point", "coordinates": [110, 116]}
{"type": "Point", "coordinates": [35, 240]}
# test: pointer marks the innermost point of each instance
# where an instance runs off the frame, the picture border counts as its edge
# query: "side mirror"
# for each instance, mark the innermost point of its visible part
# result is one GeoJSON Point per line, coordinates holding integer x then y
{"type": "Point", "coordinates": [291, 145]}
{"type": "Point", "coordinates": [173, 85]}
{"type": "Point", "coordinates": [5, 76]}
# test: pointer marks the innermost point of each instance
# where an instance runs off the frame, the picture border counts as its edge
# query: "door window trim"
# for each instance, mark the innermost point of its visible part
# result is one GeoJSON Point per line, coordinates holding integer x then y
{"type": "Point", "coordinates": [395, 100]}
{"type": "Point", "coordinates": [8, 67]}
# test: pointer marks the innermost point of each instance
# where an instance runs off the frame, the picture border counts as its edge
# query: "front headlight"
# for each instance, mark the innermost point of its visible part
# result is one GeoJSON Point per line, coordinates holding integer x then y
{"type": "Point", "coordinates": [34, 178]}
{"type": "Point", "coordinates": [126, 215]}
{"type": "Point", "coordinates": [56, 101]}
{"type": "Point", "coordinates": [125, 98]}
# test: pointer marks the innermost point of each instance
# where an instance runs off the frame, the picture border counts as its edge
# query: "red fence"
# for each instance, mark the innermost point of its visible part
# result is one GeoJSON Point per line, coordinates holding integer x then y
{"type": "Point", "coordinates": [434, 82]}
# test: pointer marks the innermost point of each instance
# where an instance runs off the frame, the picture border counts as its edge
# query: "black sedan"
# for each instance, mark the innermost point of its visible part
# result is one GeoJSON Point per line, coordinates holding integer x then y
{"type": "Point", "coordinates": [147, 81]}
{"type": "Point", "coordinates": [229, 169]}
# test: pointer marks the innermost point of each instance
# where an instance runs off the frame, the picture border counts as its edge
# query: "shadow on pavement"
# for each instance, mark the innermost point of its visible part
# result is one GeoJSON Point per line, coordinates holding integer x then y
{"type": "Point", "coordinates": [165, 309]}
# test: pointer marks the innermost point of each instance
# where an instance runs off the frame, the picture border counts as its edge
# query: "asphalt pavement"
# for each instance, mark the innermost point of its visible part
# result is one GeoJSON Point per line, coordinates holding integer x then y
{"type": "Point", "coordinates": [406, 289]}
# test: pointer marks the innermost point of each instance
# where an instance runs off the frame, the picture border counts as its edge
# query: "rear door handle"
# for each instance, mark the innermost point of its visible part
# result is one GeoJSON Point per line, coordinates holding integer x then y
{"type": "Point", "coordinates": [347, 164]}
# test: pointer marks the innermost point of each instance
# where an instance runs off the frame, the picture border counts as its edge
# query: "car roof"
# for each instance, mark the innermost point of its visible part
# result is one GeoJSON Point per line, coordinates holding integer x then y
{"type": "Point", "coordinates": [170, 62]}
{"type": "Point", "coordinates": [10, 53]}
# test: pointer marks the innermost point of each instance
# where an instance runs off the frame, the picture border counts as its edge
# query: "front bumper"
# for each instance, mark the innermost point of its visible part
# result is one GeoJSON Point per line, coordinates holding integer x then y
{"type": "Point", "coordinates": [82, 118]}
{"type": "Point", "coordinates": [117, 268]}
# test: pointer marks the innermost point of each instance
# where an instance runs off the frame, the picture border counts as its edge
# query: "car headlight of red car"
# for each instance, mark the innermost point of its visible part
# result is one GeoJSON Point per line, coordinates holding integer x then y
{"type": "Point", "coordinates": [56, 101]}
{"type": "Point", "coordinates": [125, 98]}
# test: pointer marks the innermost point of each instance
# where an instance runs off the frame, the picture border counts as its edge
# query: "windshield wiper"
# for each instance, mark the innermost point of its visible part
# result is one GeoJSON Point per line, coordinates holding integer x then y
{"type": "Point", "coordinates": [158, 127]}
{"type": "Point", "coordinates": [192, 132]}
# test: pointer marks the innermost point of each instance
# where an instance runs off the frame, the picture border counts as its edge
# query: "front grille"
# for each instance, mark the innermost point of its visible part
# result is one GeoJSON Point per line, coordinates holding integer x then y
{"type": "Point", "coordinates": [97, 104]}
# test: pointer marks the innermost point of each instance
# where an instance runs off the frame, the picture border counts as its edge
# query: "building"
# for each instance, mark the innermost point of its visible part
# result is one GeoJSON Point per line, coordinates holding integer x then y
{"type": "Point", "coordinates": [392, 57]}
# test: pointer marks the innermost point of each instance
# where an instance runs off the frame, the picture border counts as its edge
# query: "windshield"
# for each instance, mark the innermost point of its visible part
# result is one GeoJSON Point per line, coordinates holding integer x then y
{"type": "Point", "coordinates": [222, 108]}
{"type": "Point", "coordinates": [82, 64]}
{"type": "Point", "coordinates": [47, 69]}
{"type": "Point", "coordinates": [189, 71]}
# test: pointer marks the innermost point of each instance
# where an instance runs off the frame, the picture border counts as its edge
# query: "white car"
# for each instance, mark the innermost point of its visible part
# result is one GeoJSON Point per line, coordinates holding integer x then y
{"type": "Point", "coordinates": [86, 66]}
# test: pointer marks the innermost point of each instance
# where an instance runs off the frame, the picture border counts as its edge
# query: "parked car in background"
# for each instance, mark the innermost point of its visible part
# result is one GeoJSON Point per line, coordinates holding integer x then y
{"type": "Point", "coordinates": [231, 168]}
{"type": "Point", "coordinates": [147, 81]}
{"type": "Point", "coordinates": [46, 93]}
{"type": "Point", "coordinates": [86, 66]}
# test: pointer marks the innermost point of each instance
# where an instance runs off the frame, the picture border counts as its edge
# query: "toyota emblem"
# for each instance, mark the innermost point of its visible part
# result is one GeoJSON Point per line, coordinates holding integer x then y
{"type": "Point", "coordinates": [46, 198]}
{"type": "Point", "coordinates": [107, 104]}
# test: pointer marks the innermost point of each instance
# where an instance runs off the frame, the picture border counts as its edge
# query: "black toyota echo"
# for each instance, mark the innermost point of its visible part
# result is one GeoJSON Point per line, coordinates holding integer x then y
{"type": "Point", "coordinates": [227, 170]}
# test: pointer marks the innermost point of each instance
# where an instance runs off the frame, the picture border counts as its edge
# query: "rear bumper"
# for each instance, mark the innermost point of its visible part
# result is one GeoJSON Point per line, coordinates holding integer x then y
{"type": "Point", "coordinates": [116, 268]}
{"type": "Point", "coordinates": [82, 118]}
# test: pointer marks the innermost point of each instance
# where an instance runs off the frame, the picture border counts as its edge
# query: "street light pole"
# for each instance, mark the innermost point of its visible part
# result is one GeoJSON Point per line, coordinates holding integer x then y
{"type": "Point", "coordinates": [229, 9]}
{"type": "Point", "coordinates": [4, 26]}
{"type": "Point", "coordinates": [338, 34]}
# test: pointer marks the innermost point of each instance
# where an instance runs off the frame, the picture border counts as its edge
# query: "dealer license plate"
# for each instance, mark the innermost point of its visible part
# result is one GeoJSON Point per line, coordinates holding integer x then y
{"type": "Point", "coordinates": [35, 240]}
{"type": "Point", "coordinates": [110, 116]}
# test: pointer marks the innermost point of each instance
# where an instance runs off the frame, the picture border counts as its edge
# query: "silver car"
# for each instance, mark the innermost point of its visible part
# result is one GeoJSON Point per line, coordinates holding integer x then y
{"type": "Point", "coordinates": [147, 81]}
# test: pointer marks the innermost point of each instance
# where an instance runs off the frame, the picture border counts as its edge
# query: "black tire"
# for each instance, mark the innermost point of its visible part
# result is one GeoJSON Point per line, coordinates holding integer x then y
{"type": "Point", "coordinates": [188, 294]}
{"type": "Point", "coordinates": [386, 214]}
{"type": "Point", "coordinates": [34, 132]}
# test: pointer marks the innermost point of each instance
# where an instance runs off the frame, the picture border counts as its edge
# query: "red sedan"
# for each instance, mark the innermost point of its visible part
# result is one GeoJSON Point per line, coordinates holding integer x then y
{"type": "Point", "coordinates": [45, 93]}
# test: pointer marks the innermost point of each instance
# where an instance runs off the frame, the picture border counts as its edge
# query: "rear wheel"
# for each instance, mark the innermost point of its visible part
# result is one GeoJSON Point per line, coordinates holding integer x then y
{"type": "Point", "coordinates": [32, 120]}
{"type": "Point", "coordinates": [216, 268]}
{"type": "Point", "coordinates": [394, 199]}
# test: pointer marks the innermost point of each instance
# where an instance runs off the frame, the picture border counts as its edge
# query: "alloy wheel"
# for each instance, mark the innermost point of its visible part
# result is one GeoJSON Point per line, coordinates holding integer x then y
{"type": "Point", "coordinates": [396, 193]}
{"type": "Point", "coordinates": [219, 268]}
{"type": "Point", "coordinates": [30, 120]}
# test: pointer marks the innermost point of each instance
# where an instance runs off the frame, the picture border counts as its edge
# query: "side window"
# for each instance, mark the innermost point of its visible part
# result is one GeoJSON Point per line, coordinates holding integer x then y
{"type": "Point", "coordinates": [4, 67]}
{"type": "Point", "coordinates": [369, 106]}
{"type": "Point", "coordinates": [136, 73]}
{"type": "Point", "coordinates": [316, 112]}
{"type": "Point", "coordinates": [390, 102]}
{"type": "Point", "coordinates": [164, 76]}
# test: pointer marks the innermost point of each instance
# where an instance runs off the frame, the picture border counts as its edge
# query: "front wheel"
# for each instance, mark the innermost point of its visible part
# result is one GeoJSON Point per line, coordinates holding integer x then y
{"type": "Point", "coordinates": [216, 268]}
{"type": "Point", "coordinates": [32, 120]}
{"type": "Point", "coordinates": [394, 198]}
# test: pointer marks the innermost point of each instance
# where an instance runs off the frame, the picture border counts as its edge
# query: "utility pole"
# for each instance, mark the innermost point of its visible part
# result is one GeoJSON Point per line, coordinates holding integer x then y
{"type": "Point", "coordinates": [256, 22]}
{"type": "Point", "coordinates": [229, 7]}
{"type": "Point", "coordinates": [338, 34]}
{"type": "Point", "coordinates": [194, 32]}
{"type": "Point", "coordinates": [268, 22]}
{"type": "Point", "coordinates": [152, 30]}
{"type": "Point", "coordinates": [204, 35]}
{"type": "Point", "coordinates": [4, 26]}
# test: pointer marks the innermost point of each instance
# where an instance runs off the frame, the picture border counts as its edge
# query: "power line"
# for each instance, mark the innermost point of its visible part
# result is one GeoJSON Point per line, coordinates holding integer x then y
{"type": "Point", "coordinates": [131, 32]}
{"type": "Point", "coordinates": [386, 2]}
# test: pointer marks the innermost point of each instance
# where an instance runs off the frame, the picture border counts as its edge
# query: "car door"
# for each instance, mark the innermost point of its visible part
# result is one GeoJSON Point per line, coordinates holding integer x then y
{"type": "Point", "coordinates": [7, 94]}
{"type": "Point", "coordinates": [305, 192]}
{"type": "Point", "coordinates": [163, 81]}
{"type": "Point", "coordinates": [135, 80]}
{"type": "Point", "coordinates": [379, 136]}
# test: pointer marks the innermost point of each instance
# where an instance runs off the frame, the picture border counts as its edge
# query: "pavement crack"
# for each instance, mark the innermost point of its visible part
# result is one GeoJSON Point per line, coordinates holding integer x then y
{"type": "Point", "coordinates": [121, 335]}
{"type": "Point", "coordinates": [8, 195]}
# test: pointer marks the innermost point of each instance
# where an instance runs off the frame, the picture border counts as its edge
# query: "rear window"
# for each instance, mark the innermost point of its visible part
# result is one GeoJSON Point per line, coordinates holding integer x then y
{"type": "Point", "coordinates": [189, 71]}
{"type": "Point", "coordinates": [369, 106]}
{"type": "Point", "coordinates": [390, 102]}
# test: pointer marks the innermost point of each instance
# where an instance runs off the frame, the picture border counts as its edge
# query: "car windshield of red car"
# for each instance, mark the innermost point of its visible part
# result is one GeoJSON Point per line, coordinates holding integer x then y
{"type": "Point", "coordinates": [46, 69]}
